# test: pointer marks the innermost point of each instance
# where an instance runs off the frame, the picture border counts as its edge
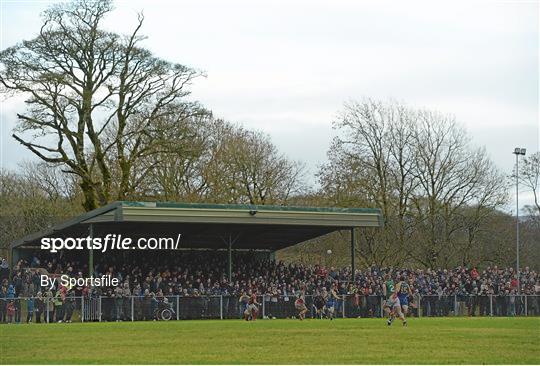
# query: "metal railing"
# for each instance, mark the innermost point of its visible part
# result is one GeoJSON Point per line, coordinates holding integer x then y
{"type": "Point", "coordinates": [133, 308]}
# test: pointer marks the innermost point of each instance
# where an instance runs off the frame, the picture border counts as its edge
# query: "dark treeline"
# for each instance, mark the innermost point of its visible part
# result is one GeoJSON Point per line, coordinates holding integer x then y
{"type": "Point", "coordinates": [109, 120]}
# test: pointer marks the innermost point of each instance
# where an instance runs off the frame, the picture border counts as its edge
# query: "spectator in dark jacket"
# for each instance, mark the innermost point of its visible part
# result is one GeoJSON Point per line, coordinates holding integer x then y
{"type": "Point", "coordinates": [3, 303]}
{"type": "Point", "coordinates": [29, 309]}
{"type": "Point", "coordinates": [39, 307]}
{"type": "Point", "coordinates": [69, 306]}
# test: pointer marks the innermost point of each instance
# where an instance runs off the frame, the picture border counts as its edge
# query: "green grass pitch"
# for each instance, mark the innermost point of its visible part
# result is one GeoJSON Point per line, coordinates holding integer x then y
{"type": "Point", "coordinates": [342, 341]}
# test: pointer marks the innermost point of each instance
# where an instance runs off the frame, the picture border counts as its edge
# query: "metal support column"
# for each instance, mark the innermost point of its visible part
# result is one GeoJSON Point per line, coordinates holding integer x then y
{"type": "Point", "coordinates": [229, 242]}
{"type": "Point", "coordinates": [229, 260]}
{"type": "Point", "coordinates": [91, 254]}
{"type": "Point", "coordinates": [353, 252]}
{"type": "Point", "coordinates": [221, 307]}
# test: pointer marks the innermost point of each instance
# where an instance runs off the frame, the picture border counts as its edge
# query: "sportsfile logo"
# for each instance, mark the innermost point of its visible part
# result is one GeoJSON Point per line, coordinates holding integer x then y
{"type": "Point", "coordinates": [110, 241]}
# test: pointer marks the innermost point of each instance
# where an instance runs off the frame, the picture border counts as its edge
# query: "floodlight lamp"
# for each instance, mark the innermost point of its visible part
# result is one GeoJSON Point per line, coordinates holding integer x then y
{"type": "Point", "coordinates": [523, 151]}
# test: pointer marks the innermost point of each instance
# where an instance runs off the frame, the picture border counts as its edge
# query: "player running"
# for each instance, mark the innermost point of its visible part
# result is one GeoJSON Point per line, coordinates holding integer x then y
{"type": "Point", "coordinates": [331, 302]}
{"type": "Point", "coordinates": [252, 310]}
{"type": "Point", "coordinates": [300, 305]}
{"type": "Point", "coordinates": [397, 304]}
{"type": "Point", "coordinates": [318, 304]}
{"type": "Point", "coordinates": [388, 290]}
{"type": "Point", "coordinates": [392, 306]}
{"type": "Point", "coordinates": [404, 291]}
{"type": "Point", "coordinates": [243, 301]}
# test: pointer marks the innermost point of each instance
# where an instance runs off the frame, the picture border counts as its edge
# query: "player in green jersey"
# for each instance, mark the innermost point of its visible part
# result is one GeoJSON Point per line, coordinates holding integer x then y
{"type": "Point", "coordinates": [392, 306]}
{"type": "Point", "coordinates": [388, 290]}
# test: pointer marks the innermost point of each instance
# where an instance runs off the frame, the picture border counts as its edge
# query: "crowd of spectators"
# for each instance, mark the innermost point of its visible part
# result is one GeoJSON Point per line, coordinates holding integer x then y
{"type": "Point", "coordinates": [204, 274]}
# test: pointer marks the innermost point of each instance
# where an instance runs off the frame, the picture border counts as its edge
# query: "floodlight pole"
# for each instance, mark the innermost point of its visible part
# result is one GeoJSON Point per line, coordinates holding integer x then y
{"type": "Point", "coordinates": [517, 151]}
{"type": "Point", "coordinates": [517, 224]}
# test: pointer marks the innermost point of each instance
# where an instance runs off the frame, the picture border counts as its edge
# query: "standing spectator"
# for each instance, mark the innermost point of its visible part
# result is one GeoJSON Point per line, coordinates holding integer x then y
{"type": "Point", "coordinates": [58, 307]}
{"type": "Point", "coordinates": [18, 310]}
{"type": "Point", "coordinates": [108, 305]}
{"type": "Point", "coordinates": [153, 305]}
{"type": "Point", "coordinates": [425, 304]}
{"type": "Point", "coordinates": [438, 305]}
{"type": "Point", "coordinates": [118, 303]}
{"type": "Point", "coordinates": [11, 292]}
{"type": "Point", "coordinates": [226, 300]}
{"type": "Point", "coordinates": [474, 274]}
{"type": "Point", "coordinates": [512, 302]}
{"type": "Point", "coordinates": [69, 305]}
{"type": "Point", "coordinates": [415, 303]}
{"type": "Point", "coordinates": [39, 307]}
{"type": "Point", "coordinates": [10, 311]}
{"type": "Point", "coordinates": [137, 303]}
{"type": "Point", "coordinates": [514, 283]}
{"type": "Point", "coordinates": [126, 293]}
{"type": "Point", "coordinates": [356, 300]}
{"type": "Point", "coordinates": [466, 298]}
{"type": "Point", "coordinates": [483, 299]}
{"type": "Point", "coordinates": [341, 303]}
{"type": "Point", "coordinates": [49, 306]}
{"type": "Point", "coordinates": [473, 299]}
{"type": "Point", "coordinates": [4, 269]}
{"type": "Point", "coordinates": [146, 306]}
{"type": "Point", "coordinates": [29, 309]}
{"type": "Point", "coordinates": [32, 289]}
{"type": "Point", "coordinates": [3, 303]}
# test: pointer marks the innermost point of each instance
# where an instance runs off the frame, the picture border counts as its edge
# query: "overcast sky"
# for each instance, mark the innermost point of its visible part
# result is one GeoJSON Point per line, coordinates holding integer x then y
{"type": "Point", "coordinates": [287, 67]}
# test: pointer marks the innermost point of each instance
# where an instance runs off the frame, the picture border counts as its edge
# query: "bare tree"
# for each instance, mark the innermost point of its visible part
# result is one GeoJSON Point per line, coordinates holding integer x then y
{"type": "Point", "coordinates": [529, 176]}
{"type": "Point", "coordinates": [50, 181]}
{"type": "Point", "coordinates": [80, 81]}
{"type": "Point", "coordinates": [183, 173]}
{"type": "Point", "coordinates": [420, 169]}
{"type": "Point", "coordinates": [371, 163]}
{"type": "Point", "coordinates": [29, 201]}
{"type": "Point", "coordinates": [452, 175]}
{"type": "Point", "coordinates": [246, 167]}
{"type": "Point", "coordinates": [213, 160]}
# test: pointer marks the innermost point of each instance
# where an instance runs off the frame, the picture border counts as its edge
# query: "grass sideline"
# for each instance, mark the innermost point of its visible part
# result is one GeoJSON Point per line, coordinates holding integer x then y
{"type": "Point", "coordinates": [342, 341]}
